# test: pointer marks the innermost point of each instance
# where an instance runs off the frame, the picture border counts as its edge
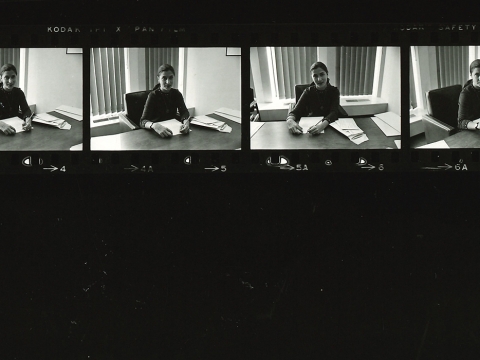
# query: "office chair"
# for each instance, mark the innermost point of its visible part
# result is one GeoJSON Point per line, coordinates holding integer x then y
{"type": "Point", "coordinates": [299, 89]}
{"type": "Point", "coordinates": [254, 111]}
{"type": "Point", "coordinates": [442, 107]}
{"type": "Point", "coordinates": [134, 104]}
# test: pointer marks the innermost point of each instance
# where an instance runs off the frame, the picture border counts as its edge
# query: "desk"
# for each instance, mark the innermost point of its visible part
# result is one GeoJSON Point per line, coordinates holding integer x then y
{"type": "Point", "coordinates": [44, 137]}
{"type": "Point", "coordinates": [464, 139]}
{"type": "Point", "coordinates": [275, 135]}
{"type": "Point", "coordinates": [200, 138]}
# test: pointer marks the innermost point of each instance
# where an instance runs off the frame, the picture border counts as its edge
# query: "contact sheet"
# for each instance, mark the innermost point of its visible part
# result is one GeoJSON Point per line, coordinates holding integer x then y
{"type": "Point", "coordinates": [381, 98]}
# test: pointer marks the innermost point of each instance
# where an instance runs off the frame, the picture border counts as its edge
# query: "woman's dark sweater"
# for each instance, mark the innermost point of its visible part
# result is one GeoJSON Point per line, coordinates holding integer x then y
{"type": "Point", "coordinates": [162, 106]}
{"type": "Point", "coordinates": [468, 105]}
{"type": "Point", "coordinates": [314, 102]}
{"type": "Point", "coordinates": [13, 103]}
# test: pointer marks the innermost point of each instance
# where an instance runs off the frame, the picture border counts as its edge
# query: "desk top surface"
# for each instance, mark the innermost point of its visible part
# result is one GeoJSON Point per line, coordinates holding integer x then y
{"type": "Point", "coordinates": [275, 135]}
{"type": "Point", "coordinates": [200, 138]}
{"type": "Point", "coordinates": [464, 139]}
{"type": "Point", "coordinates": [44, 137]}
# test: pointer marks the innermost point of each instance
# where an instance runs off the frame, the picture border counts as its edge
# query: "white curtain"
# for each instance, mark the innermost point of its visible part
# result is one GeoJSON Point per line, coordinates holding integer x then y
{"type": "Point", "coordinates": [107, 80]}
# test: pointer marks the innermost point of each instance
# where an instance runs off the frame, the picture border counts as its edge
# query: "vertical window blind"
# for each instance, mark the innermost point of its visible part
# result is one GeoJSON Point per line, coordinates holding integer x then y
{"type": "Point", "coordinates": [291, 66]}
{"type": "Point", "coordinates": [452, 65]}
{"type": "Point", "coordinates": [355, 69]}
{"type": "Point", "coordinates": [107, 80]}
{"type": "Point", "coordinates": [11, 56]}
{"type": "Point", "coordinates": [154, 57]}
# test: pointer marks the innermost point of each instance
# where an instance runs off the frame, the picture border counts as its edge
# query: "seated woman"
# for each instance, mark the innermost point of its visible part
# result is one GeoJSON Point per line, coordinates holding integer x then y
{"type": "Point", "coordinates": [163, 103]}
{"type": "Point", "coordinates": [12, 100]}
{"type": "Point", "coordinates": [469, 100]}
{"type": "Point", "coordinates": [319, 99]}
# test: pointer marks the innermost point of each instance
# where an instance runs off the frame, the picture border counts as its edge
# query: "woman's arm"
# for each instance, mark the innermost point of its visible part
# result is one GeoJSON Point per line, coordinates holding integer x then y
{"type": "Point", "coordinates": [335, 103]}
{"type": "Point", "coordinates": [300, 108]}
{"type": "Point", "coordinates": [150, 112]}
{"type": "Point", "coordinates": [26, 112]}
{"type": "Point", "coordinates": [465, 112]}
{"type": "Point", "coordinates": [182, 108]}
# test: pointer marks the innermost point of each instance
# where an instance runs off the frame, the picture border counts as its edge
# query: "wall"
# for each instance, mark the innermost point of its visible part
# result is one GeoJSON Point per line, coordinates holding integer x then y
{"type": "Point", "coordinates": [390, 87]}
{"type": "Point", "coordinates": [212, 80]}
{"type": "Point", "coordinates": [54, 78]}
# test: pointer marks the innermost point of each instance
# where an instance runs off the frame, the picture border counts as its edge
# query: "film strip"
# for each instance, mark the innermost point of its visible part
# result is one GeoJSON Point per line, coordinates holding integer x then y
{"type": "Point", "coordinates": [405, 99]}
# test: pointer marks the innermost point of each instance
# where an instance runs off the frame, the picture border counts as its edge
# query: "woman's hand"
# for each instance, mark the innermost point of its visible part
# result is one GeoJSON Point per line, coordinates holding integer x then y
{"type": "Point", "coordinates": [27, 124]}
{"type": "Point", "coordinates": [185, 128]}
{"type": "Point", "coordinates": [7, 129]}
{"type": "Point", "coordinates": [161, 130]}
{"type": "Point", "coordinates": [293, 127]}
{"type": "Point", "coordinates": [317, 129]}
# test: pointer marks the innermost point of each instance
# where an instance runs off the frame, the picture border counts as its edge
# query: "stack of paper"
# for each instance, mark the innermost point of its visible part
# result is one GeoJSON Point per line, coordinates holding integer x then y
{"type": "Point", "coordinates": [70, 111]}
{"type": "Point", "coordinates": [48, 119]}
{"type": "Point", "coordinates": [349, 128]}
{"type": "Point", "coordinates": [206, 121]}
{"type": "Point", "coordinates": [16, 122]}
{"type": "Point", "coordinates": [388, 122]}
{"type": "Point", "coordinates": [307, 122]}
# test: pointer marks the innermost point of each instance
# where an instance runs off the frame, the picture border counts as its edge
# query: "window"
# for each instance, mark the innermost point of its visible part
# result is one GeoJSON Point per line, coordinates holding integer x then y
{"type": "Point", "coordinates": [107, 80]}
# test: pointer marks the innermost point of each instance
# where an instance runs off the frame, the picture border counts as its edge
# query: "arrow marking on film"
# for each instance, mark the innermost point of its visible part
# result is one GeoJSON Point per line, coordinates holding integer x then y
{"type": "Point", "coordinates": [213, 169]}
{"type": "Point", "coordinates": [133, 168]}
{"type": "Point", "coordinates": [52, 168]}
{"type": "Point", "coordinates": [444, 167]}
{"type": "Point", "coordinates": [369, 167]}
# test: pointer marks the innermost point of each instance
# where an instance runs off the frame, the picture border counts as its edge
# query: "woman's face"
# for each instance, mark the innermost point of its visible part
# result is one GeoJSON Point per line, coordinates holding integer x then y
{"type": "Point", "coordinates": [165, 79]}
{"type": "Point", "coordinates": [9, 79]}
{"type": "Point", "coordinates": [319, 77]}
{"type": "Point", "coordinates": [476, 77]}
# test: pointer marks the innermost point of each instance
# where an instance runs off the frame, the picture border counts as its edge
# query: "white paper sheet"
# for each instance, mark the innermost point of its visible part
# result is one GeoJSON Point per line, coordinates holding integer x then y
{"type": "Point", "coordinates": [398, 143]}
{"type": "Point", "coordinates": [307, 122]}
{"type": "Point", "coordinates": [107, 142]}
{"type": "Point", "coordinates": [234, 113]}
{"type": "Point", "coordinates": [387, 129]}
{"type": "Point", "coordinates": [435, 145]}
{"type": "Point", "coordinates": [70, 115]}
{"type": "Point", "coordinates": [78, 147]}
{"type": "Point", "coordinates": [16, 122]}
{"type": "Point", "coordinates": [70, 109]}
{"type": "Point", "coordinates": [254, 127]}
{"type": "Point", "coordinates": [173, 125]}
{"type": "Point", "coordinates": [391, 119]}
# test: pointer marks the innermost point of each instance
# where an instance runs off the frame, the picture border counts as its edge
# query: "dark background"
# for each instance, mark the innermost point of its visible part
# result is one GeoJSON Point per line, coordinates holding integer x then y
{"type": "Point", "coordinates": [150, 266]}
